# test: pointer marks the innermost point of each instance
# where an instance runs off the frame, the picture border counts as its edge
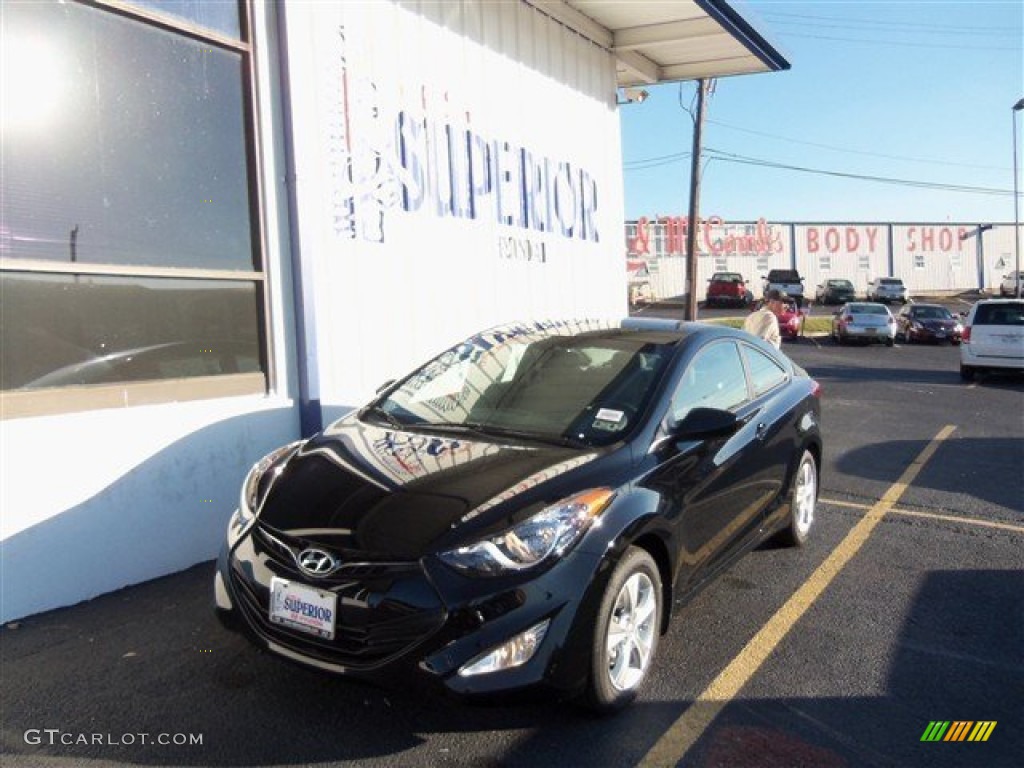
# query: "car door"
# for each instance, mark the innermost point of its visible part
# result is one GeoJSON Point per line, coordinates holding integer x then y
{"type": "Point", "coordinates": [703, 484]}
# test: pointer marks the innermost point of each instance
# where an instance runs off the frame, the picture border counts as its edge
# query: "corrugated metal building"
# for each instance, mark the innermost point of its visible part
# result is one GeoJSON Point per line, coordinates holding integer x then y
{"type": "Point", "coordinates": [928, 257]}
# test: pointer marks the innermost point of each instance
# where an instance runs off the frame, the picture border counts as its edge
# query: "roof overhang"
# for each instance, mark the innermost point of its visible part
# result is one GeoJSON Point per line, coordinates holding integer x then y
{"type": "Point", "coordinates": [660, 41]}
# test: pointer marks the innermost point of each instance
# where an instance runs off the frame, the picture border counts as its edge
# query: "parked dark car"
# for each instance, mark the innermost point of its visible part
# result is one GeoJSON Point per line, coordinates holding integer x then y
{"type": "Point", "coordinates": [835, 291]}
{"type": "Point", "coordinates": [526, 509]}
{"type": "Point", "coordinates": [927, 322]}
{"type": "Point", "coordinates": [728, 288]}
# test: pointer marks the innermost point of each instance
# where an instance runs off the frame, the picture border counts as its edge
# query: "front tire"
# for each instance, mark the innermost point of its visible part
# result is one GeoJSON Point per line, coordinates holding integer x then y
{"type": "Point", "coordinates": [803, 500]}
{"type": "Point", "coordinates": [966, 372]}
{"type": "Point", "coordinates": [626, 633]}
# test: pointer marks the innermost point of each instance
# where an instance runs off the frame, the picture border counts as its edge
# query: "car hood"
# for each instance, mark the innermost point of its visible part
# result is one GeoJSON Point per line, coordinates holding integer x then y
{"type": "Point", "coordinates": [381, 493]}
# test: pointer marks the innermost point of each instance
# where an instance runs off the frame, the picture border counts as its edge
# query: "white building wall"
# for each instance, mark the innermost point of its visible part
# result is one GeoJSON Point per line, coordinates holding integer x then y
{"type": "Point", "coordinates": [999, 253]}
{"type": "Point", "coordinates": [413, 123]}
{"type": "Point", "coordinates": [932, 257]}
{"type": "Point", "coordinates": [94, 501]}
{"type": "Point", "coordinates": [854, 252]}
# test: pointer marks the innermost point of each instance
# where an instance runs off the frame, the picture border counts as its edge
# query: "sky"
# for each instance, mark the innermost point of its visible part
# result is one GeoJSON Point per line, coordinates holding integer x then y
{"type": "Point", "coordinates": [911, 91]}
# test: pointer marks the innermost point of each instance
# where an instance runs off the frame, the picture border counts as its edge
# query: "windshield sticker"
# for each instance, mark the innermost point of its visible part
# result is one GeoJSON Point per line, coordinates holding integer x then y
{"type": "Point", "coordinates": [609, 420]}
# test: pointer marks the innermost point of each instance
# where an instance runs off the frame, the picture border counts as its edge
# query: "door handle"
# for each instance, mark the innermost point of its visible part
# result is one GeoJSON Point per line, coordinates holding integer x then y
{"type": "Point", "coordinates": [762, 430]}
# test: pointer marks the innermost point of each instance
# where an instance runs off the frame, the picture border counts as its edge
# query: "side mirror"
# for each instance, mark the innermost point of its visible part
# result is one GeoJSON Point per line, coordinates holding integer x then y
{"type": "Point", "coordinates": [702, 423]}
{"type": "Point", "coordinates": [385, 385]}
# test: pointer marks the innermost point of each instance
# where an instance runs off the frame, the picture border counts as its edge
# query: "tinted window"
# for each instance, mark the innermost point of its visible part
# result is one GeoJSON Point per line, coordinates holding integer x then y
{"type": "Point", "coordinates": [714, 379]}
{"type": "Point", "coordinates": [1010, 313]}
{"type": "Point", "coordinates": [592, 389]}
{"type": "Point", "coordinates": [178, 329]}
{"type": "Point", "coordinates": [931, 313]}
{"type": "Point", "coordinates": [765, 373]}
{"type": "Point", "coordinates": [126, 213]}
{"type": "Point", "coordinates": [125, 146]}
{"type": "Point", "coordinates": [783, 275]}
{"type": "Point", "coordinates": [220, 16]}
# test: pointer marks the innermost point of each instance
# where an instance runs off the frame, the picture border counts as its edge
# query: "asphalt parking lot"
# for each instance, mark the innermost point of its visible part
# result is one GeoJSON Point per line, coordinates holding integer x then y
{"type": "Point", "coordinates": [906, 608]}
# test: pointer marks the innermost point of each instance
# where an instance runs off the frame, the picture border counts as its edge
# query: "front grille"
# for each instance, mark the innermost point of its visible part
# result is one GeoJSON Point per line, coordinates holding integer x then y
{"type": "Point", "coordinates": [384, 609]}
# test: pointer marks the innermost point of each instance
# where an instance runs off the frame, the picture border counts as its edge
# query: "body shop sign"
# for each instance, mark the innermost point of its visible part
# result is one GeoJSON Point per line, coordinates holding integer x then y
{"type": "Point", "coordinates": [852, 239]}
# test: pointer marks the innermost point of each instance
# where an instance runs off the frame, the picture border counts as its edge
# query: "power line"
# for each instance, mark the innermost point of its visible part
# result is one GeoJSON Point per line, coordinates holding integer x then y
{"type": "Point", "coordinates": [855, 151]}
{"type": "Point", "coordinates": [916, 25]}
{"type": "Point", "coordinates": [917, 183]}
{"type": "Point", "coordinates": [729, 157]}
{"type": "Point", "coordinates": [902, 43]}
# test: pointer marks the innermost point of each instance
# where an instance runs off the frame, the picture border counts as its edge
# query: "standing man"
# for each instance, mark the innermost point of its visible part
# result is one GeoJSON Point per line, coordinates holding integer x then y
{"type": "Point", "coordinates": [765, 322]}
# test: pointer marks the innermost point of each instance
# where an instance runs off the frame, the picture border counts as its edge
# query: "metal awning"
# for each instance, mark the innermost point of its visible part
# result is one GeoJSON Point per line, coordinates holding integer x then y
{"type": "Point", "coordinates": [658, 41]}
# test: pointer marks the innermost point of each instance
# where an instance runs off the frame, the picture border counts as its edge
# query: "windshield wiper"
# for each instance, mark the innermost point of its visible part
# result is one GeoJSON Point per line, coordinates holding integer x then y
{"type": "Point", "coordinates": [386, 416]}
{"type": "Point", "coordinates": [494, 431]}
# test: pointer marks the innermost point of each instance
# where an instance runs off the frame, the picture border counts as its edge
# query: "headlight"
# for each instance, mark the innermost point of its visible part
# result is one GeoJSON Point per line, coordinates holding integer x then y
{"type": "Point", "coordinates": [251, 498]}
{"type": "Point", "coordinates": [547, 534]}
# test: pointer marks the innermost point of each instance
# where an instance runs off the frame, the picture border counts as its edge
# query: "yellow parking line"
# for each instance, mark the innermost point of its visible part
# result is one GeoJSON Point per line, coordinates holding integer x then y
{"type": "Point", "coordinates": [930, 516]}
{"type": "Point", "coordinates": [691, 725]}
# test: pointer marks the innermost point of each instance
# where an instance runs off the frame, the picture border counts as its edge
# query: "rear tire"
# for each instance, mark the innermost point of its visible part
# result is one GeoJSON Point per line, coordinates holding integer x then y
{"type": "Point", "coordinates": [967, 372]}
{"type": "Point", "coordinates": [889, 342]}
{"type": "Point", "coordinates": [626, 633]}
{"type": "Point", "coordinates": [803, 500]}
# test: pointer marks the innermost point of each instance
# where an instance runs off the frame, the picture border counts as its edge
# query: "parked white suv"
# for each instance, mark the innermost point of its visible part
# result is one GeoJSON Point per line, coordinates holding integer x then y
{"type": "Point", "coordinates": [1009, 285]}
{"type": "Point", "coordinates": [887, 289]}
{"type": "Point", "coordinates": [993, 337]}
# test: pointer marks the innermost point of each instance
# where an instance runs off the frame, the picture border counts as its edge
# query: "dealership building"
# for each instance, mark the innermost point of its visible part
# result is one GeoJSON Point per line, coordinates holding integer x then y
{"type": "Point", "coordinates": [929, 257]}
{"type": "Point", "coordinates": [225, 224]}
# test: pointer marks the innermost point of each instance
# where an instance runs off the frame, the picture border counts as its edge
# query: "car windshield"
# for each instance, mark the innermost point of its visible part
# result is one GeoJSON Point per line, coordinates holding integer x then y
{"type": "Point", "coordinates": [890, 281]}
{"type": "Point", "coordinates": [868, 309]}
{"type": "Point", "coordinates": [726, 277]}
{"type": "Point", "coordinates": [931, 313]}
{"type": "Point", "coordinates": [783, 276]}
{"type": "Point", "coordinates": [589, 388]}
{"type": "Point", "coordinates": [840, 284]}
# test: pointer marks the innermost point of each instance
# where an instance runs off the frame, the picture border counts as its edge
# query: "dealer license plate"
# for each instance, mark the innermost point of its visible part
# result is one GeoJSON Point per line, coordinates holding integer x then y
{"type": "Point", "coordinates": [870, 330]}
{"type": "Point", "coordinates": [306, 609]}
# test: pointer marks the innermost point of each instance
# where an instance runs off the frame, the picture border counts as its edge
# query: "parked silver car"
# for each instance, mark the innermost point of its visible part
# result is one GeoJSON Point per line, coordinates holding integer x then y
{"type": "Point", "coordinates": [888, 289]}
{"type": "Point", "coordinates": [864, 320]}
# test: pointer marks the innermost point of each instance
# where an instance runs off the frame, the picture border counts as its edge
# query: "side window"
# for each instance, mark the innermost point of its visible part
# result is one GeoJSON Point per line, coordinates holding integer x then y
{"type": "Point", "coordinates": [765, 373]}
{"type": "Point", "coordinates": [714, 379]}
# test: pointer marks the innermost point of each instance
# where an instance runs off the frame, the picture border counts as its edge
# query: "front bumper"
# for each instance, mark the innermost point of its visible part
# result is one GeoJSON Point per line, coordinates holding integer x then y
{"type": "Point", "coordinates": [929, 334]}
{"type": "Point", "coordinates": [403, 622]}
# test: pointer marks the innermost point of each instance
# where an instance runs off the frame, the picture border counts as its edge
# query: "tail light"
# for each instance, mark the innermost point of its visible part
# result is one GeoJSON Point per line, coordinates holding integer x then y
{"type": "Point", "coordinates": [892, 320]}
{"type": "Point", "coordinates": [965, 335]}
{"type": "Point", "coordinates": [815, 388]}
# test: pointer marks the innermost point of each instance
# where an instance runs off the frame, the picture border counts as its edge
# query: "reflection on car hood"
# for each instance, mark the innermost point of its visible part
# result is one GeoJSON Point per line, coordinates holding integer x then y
{"type": "Point", "coordinates": [392, 494]}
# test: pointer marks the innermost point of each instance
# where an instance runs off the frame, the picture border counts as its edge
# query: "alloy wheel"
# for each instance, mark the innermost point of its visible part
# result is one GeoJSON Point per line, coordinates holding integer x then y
{"type": "Point", "coordinates": [804, 497]}
{"type": "Point", "coordinates": [631, 632]}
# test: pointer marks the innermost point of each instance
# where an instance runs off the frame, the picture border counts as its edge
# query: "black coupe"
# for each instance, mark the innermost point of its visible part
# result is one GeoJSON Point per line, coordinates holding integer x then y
{"type": "Point", "coordinates": [526, 508]}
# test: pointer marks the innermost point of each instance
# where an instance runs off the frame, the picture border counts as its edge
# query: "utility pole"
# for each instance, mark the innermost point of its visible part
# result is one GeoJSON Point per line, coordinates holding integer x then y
{"type": "Point", "coordinates": [693, 220]}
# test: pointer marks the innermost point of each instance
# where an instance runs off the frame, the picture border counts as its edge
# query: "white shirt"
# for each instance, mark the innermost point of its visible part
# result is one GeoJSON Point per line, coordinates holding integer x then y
{"type": "Point", "coordinates": [763, 323]}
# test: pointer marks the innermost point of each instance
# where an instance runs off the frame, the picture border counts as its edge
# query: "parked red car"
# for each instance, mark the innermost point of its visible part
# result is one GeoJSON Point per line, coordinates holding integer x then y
{"type": "Point", "coordinates": [728, 288]}
{"type": "Point", "coordinates": [791, 321]}
{"type": "Point", "coordinates": [928, 322]}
